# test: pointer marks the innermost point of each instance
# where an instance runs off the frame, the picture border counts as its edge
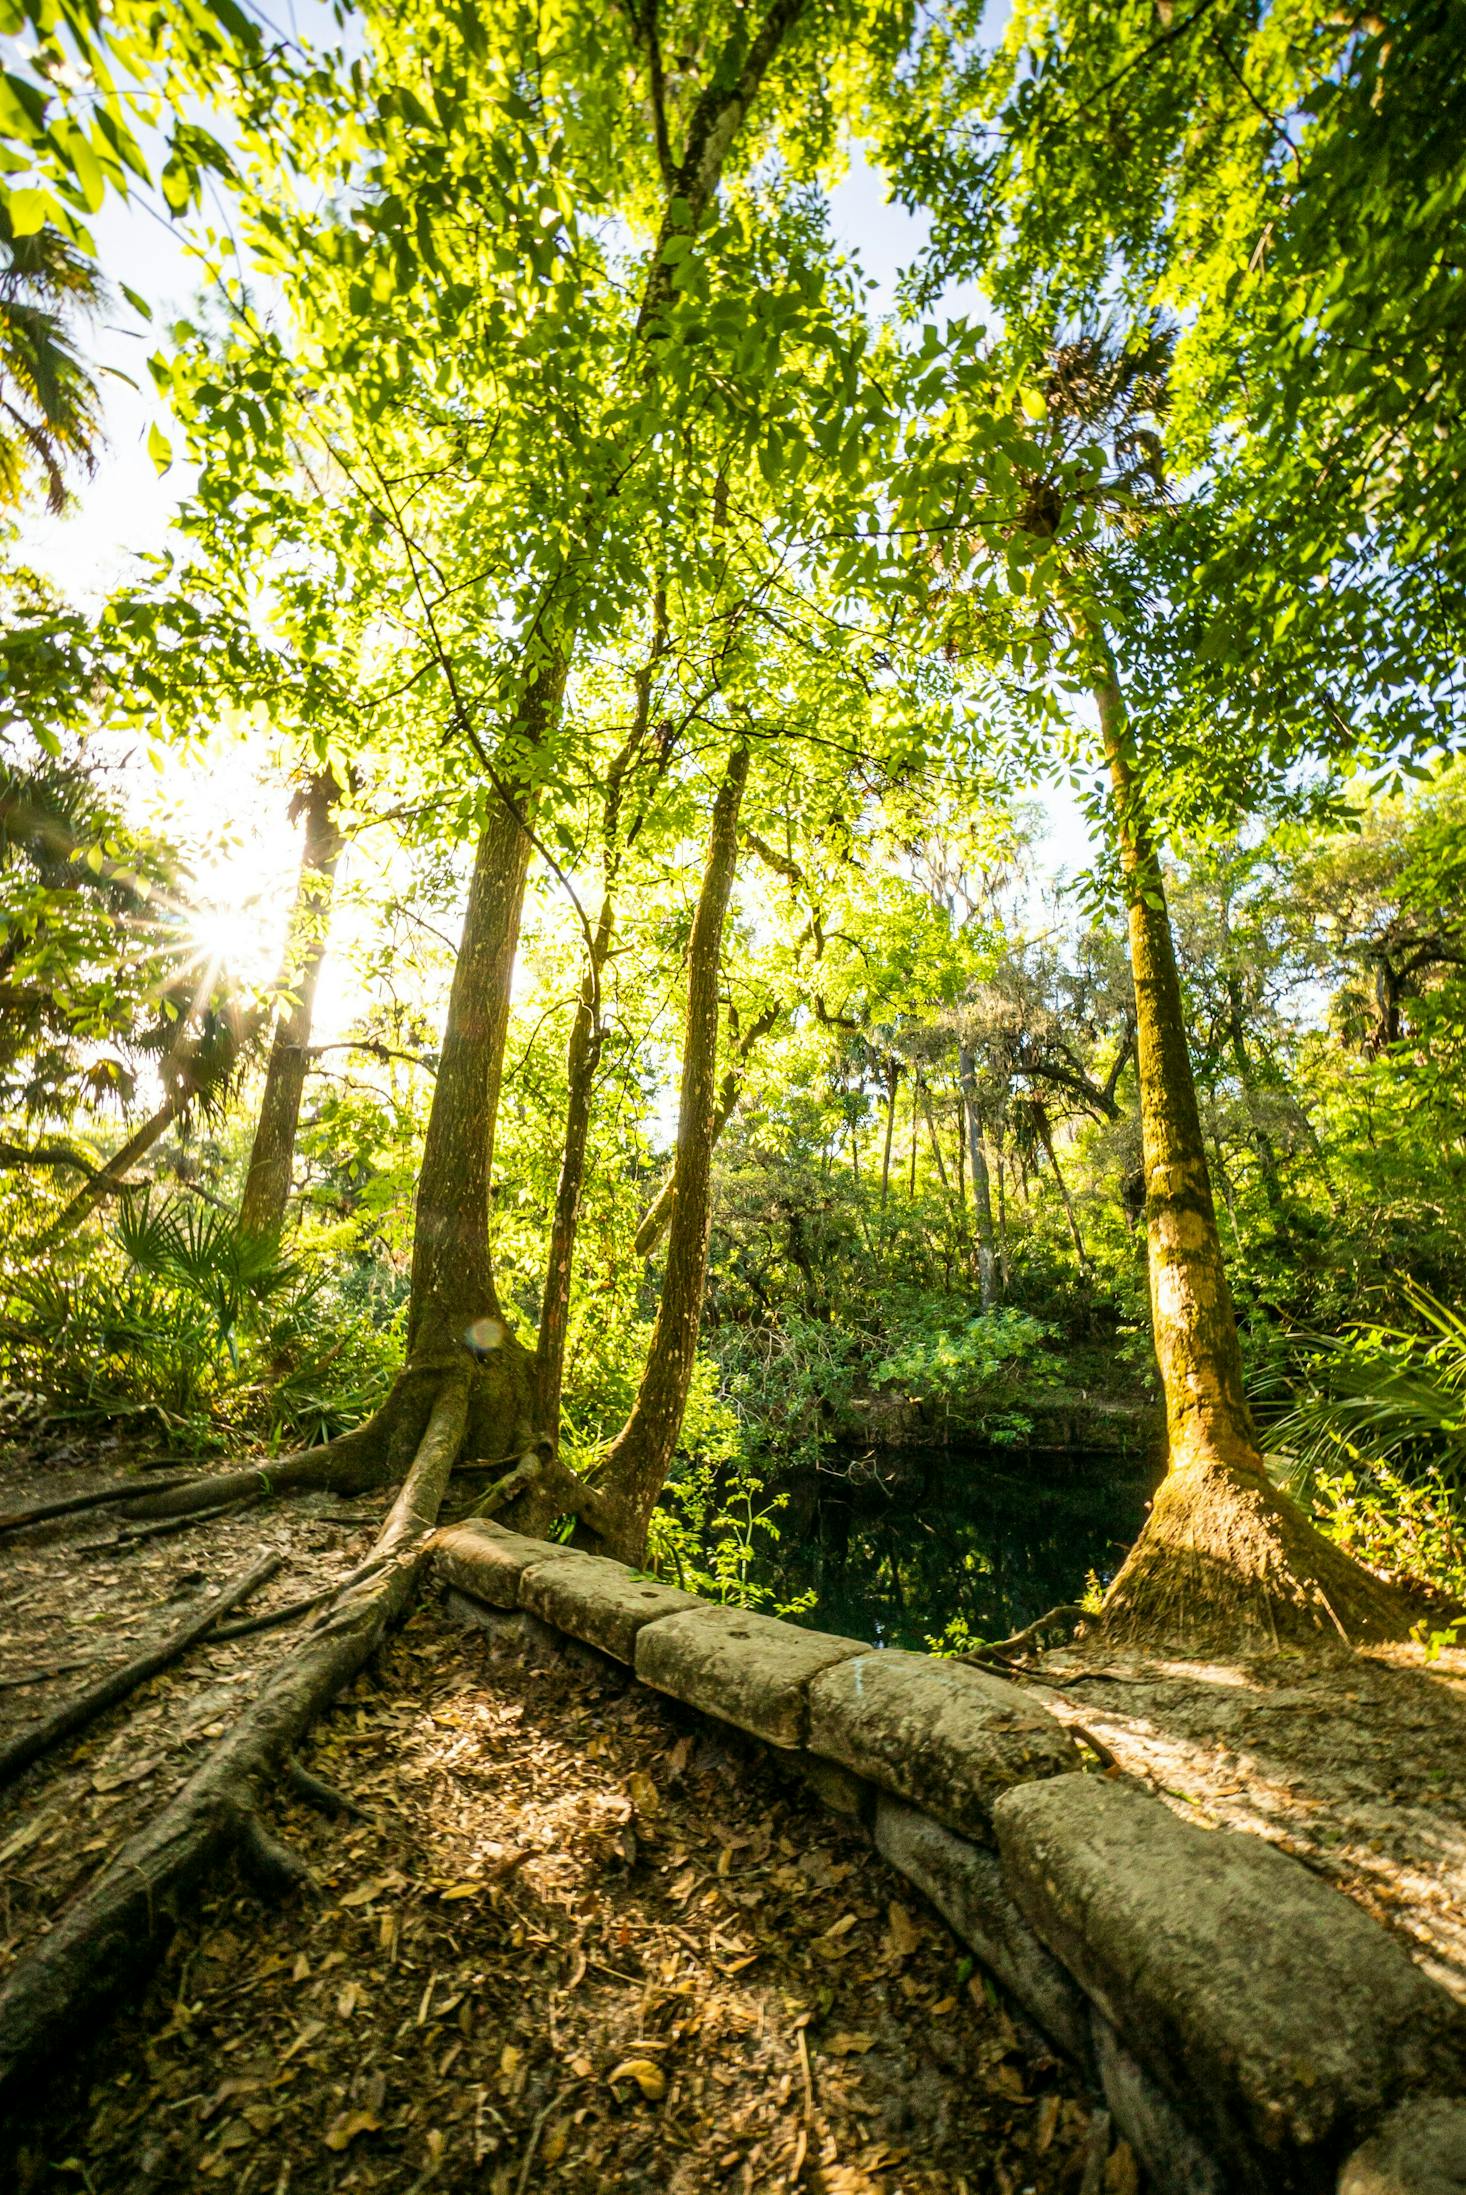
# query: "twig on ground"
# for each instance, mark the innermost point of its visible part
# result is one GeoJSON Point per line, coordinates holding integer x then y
{"type": "Point", "coordinates": [43, 1676]}
{"type": "Point", "coordinates": [537, 2130]}
{"type": "Point", "coordinates": [271, 1617]}
{"type": "Point", "coordinates": [140, 1532]}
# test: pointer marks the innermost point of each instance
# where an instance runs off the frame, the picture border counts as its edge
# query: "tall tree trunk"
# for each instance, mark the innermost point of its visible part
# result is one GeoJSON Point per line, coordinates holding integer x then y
{"type": "Point", "coordinates": [1046, 1139]}
{"type": "Point", "coordinates": [915, 1138]}
{"type": "Point", "coordinates": [454, 1302]}
{"type": "Point", "coordinates": [452, 1281]}
{"type": "Point", "coordinates": [636, 1464]}
{"type": "Point", "coordinates": [893, 1077]}
{"type": "Point", "coordinates": [1197, 1349]}
{"type": "Point", "coordinates": [982, 1193]}
{"type": "Point", "coordinates": [267, 1184]}
{"type": "Point", "coordinates": [109, 1179]}
{"type": "Point", "coordinates": [934, 1138]}
{"type": "Point", "coordinates": [1000, 1179]}
{"type": "Point", "coordinates": [1223, 1559]}
{"type": "Point", "coordinates": [582, 1061]}
{"type": "Point", "coordinates": [658, 1215]}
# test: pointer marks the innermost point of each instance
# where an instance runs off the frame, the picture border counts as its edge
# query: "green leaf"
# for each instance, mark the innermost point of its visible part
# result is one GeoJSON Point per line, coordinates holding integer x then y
{"type": "Point", "coordinates": [160, 449]}
{"type": "Point", "coordinates": [27, 210]}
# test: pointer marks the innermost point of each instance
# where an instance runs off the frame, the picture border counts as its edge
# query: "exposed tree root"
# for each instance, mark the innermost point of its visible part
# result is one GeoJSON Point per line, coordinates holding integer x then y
{"type": "Point", "coordinates": [269, 1863]}
{"type": "Point", "coordinates": [136, 1535]}
{"type": "Point", "coordinates": [372, 1455]}
{"type": "Point", "coordinates": [271, 1618]}
{"type": "Point", "coordinates": [74, 1714]}
{"type": "Point", "coordinates": [1054, 1628]}
{"type": "Point", "coordinates": [1228, 1564]}
{"type": "Point", "coordinates": [539, 1491]}
{"type": "Point", "coordinates": [113, 1932]}
{"type": "Point", "coordinates": [16, 1520]}
{"type": "Point", "coordinates": [353, 1465]}
{"type": "Point", "coordinates": [316, 1792]}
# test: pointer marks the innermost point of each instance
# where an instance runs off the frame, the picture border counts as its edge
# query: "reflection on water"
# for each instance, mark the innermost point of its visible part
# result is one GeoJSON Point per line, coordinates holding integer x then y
{"type": "Point", "coordinates": [897, 1544]}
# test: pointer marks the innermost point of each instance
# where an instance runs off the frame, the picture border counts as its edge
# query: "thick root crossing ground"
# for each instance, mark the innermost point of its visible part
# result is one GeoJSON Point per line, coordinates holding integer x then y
{"type": "Point", "coordinates": [575, 1939]}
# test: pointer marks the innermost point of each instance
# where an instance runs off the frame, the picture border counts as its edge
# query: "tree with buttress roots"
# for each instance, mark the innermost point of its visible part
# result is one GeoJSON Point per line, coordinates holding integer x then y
{"type": "Point", "coordinates": [674, 404]}
{"type": "Point", "coordinates": [1284, 181]}
{"type": "Point", "coordinates": [1054, 559]}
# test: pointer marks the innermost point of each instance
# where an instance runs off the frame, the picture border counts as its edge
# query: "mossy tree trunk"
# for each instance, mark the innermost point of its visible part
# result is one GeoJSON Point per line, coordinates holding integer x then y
{"type": "Point", "coordinates": [454, 1304]}
{"type": "Point", "coordinates": [635, 1466]}
{"type": "Point", "coordinates": [272, 1155]}
{"type": "Point", "coordinates": [1195, 1327]}
{"type": "Point", "coordinates": [1224, 1560]}
{"type": "Point", "coordinates": [982, 1192]}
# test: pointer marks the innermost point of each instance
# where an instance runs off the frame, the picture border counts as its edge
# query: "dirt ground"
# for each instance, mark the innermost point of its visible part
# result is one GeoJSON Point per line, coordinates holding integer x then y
{"type": "Point", "coordinates": [572, 1937]}
{"type": "Point", "coordinates": [1356, 1765]}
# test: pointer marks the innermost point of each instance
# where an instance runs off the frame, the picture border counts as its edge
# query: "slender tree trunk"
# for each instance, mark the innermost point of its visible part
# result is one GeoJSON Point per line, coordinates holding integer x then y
{"type": "Point", "coordinates": [915, 1137]}
{"type": "Point", "coordinates": [454, 1301]}
{"type": "Point", "coordinates": [1224, 1560]}
{"type": "Point", "coordinates": [893, 1077]}
{"type": "Point", "coordinates": [934, 1138]}
{"type": "Point", "coordinates": [636, 1464]}
{"type": "Point", "coordinates": [659, 1212]}
{"type": "Point", "coordinates": [181, 1085]}
{"type": "Point", "coordinates": [1046, 1138]}
{"type": "Point", "coordinates": [267, 1184]}
{"type": "Point", "coordinates": [982, 1195]}
{"type": "Point", "coordinates": [582, 1061]}
{"type": "Point", "coordinates": [452, 1281]}
{"type": "Point", "coordinates": [1001, 1176]}
{"type": "Point", "coordinates": [109, 1179]}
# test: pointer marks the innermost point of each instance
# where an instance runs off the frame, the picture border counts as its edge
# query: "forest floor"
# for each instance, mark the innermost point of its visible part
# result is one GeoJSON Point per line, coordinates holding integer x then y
{"type": "Point", "coordinates": [1354, 1763]}
{"type": "Point", "coordinates": [574, 1937]}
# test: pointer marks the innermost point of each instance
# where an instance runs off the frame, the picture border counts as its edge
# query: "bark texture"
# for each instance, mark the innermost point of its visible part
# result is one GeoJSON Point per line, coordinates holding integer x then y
{"type": "Point", "coordinates": [1224, 1561]}
{"type": "Point", "coordinates": [272, 1156]}
{"type": "Point", "coordinates": [1196, 1343]}
{"type": "Point", "coordinates": [636, 1464]}
{"type": "Point", "coordinates": [454, 1301]}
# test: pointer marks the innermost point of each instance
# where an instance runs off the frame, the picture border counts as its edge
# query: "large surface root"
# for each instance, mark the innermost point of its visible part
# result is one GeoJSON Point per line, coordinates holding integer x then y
{"type": "Point", "coordinates": [552, 1871]}
{"type": "Point", "coordinates": [114, 1931]}
{"type": "Point", "coordinates": [84, 1707]}
{"type": "Point", "coordinates": [375, 1454]}
{"type": "Point", "coordinates": [1228, 1564]}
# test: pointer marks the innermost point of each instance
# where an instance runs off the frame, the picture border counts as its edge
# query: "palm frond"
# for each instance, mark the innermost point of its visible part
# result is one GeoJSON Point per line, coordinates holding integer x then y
{"type": "Point", "coordinates": [1383, 1396]}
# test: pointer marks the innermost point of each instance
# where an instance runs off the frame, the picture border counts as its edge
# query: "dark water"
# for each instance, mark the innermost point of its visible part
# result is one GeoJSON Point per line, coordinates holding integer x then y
{"type": "Point", "coordinates": [897, 1544]}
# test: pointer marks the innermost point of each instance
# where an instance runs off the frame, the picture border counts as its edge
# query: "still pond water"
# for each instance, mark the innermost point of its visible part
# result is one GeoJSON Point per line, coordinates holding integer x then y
{"type": "Point", "coordinates": [897, 1544]}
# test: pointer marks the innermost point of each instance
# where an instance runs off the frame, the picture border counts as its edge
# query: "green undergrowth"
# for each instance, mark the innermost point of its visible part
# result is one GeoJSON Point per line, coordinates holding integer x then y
{"type": "Point", "coordinates": [171, 1321]}
{"type": "Point", "coordinates": [1375, 1441]}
